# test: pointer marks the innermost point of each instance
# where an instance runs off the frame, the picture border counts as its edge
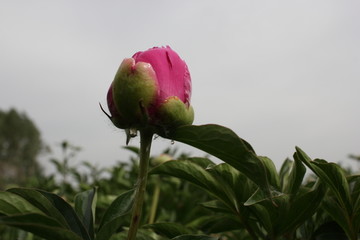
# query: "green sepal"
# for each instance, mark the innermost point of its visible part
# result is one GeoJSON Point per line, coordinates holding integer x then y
{"type": "Point", "coordinates": [119, 122]}
{"type": "Point", "coordinates": [173, 113]}
{"type": "Point", "coordinates": [134, 89]}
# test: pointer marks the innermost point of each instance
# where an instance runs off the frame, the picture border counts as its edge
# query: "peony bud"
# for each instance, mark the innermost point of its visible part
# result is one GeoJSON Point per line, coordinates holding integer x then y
{"type": "Point", "coordinates": [151, 88]}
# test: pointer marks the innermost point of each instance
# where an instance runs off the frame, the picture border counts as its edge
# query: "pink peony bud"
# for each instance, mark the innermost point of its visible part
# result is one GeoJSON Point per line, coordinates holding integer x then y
{"type": "Point", "coordinates": [153, 87]}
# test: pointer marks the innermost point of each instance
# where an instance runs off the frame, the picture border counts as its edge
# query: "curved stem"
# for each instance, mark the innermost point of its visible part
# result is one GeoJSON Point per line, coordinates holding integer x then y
{"type": "Point", "coordinates": [145, 145]}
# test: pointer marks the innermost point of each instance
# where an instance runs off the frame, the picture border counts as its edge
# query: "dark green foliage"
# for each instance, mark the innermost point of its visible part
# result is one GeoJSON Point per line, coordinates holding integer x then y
{"type": "Point", "coordinates": [289, 204]}
{"type": "Point", "coordinates": [244, 197]}
{"type": "Point", "coordinates": [343, 199]}
{"type": "Point", "coordinates": [114, 215]}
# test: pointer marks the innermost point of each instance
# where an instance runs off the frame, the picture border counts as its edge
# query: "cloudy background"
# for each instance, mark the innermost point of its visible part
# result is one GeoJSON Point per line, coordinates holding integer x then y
{"type": "Point", "coordinates": [279, 73]}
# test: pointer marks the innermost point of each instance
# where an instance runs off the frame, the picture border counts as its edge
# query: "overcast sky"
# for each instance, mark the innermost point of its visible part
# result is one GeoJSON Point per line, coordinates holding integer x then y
{"type": "Point", "coordinates": [279, 73]}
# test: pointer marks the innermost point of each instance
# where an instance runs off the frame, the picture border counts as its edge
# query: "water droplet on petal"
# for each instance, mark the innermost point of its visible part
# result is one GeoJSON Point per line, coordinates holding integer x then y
{"type": "Point", "coordinates": [155, 136]}
{"type": "Point", "coordinates": [172, 142]}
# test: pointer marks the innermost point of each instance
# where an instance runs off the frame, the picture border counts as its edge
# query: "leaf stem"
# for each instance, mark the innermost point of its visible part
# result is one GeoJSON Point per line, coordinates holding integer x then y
{"type": "Point", "coordinates": [145, 146]}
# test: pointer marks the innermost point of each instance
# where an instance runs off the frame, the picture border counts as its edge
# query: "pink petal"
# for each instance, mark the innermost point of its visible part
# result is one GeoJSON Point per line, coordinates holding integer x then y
{"type": "Point", "coordinates": [171, 71]}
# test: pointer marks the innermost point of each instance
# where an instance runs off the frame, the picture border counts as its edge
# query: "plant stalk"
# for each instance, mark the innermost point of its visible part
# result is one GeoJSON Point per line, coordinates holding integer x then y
{"type": "Point", "coordinates": [145, 145]}
{"type": "Point", "coordinates": [155, 202]}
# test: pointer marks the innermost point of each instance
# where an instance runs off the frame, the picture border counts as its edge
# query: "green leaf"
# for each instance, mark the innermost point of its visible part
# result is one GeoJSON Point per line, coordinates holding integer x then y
{"type": "Point", "coordinates": [40, 225]}
{"type": "Point", "coordinates": [264, 216]}
{"type": "Point", "coordinates": [85, 203]}
{"type": "Point", "coordinates": [133, 149]}
{"type": "Point", "coordinates": [219, 223]}
{"type": "Point", "coordinates": [238, 189]}
{"type": "Point", "coordinates": [355, 195]}
{"type": "Point", "coordinates": [195, 174]}
{"type": "Point", "coordinates": [332, 175]}
{"type": "Point", "coordinates": [216, 206]}
{"type": "Point", "coordinates": [223, 143]}
{"type": "Point", "coordinates": [186, 170]}
{"type": "Point", "coordinates": [169, 230]}
{"type": "Point", "coordinates": [339, 215]}
{"type": "Point", "coordinates": [41, 202]}
{"type": "Point", "coordinates": [226, 175]}
{"type": "Point", "coordinates": [295, 177]}
{"type": "Point", "coordinates": [271, 172]}
{"type": "Point", "coordinates": [11, 204]}
{"type": "Point", "coordinates": [114, 215]}
{"type": "Point", "coordinates": [259, 196]}
{"type": "Point", "coordinates": [194, 237]}
{"type": "Point", "coordinates": [339, 206]}
{"type": "Point", "coordinates": [232, 184]}
{"type": "Point", "coordinates": [302, 207]}
{"type": "Point", "coordinates": [284, 173]}
{"type": "Point", "coordinates": [202, 162]}
{"type": "Point", "coordinates": [69, 214]}
{"type": "Point", "coordinates": [267, 210]}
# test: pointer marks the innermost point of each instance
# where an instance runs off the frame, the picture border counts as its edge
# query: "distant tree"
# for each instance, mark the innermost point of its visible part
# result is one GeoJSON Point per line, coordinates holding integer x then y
{"type": "Point", "coordinates": [20, 145]}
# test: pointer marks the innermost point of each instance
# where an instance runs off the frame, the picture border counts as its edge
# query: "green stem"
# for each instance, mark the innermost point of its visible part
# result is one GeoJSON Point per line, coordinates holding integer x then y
{"type": "Point", "coordinates": [145, 145]}
{"type": "Point", "coordinates": [155, 202]}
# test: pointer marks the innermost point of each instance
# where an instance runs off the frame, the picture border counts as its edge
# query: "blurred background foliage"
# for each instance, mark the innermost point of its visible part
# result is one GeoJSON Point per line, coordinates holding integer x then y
{"type": "Point", "coordinates": [20, 146]}
{"type": "Point", "coordinates": [171, 197]}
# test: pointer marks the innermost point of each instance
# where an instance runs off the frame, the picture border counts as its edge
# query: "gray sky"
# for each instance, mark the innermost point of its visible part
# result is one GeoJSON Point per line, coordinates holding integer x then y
{"type": "Point", "coordinates": [279, 73]}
